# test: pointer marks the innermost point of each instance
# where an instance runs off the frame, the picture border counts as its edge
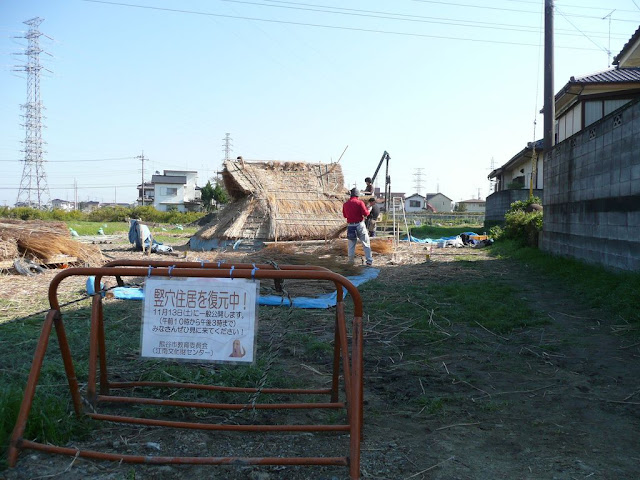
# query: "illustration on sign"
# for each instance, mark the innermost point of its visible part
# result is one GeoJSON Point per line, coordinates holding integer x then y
{"type": "Point", "coordinates": [200, 319]}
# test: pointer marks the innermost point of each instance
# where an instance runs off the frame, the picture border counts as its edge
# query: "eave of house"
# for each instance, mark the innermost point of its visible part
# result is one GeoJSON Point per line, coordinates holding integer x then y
{"type": "Point", "coordinates": [576, 92]}
{"type": "Point", "coordinates": [169, 180]}
{"type": "Point", "coordinates": [431, 195]}
{"type": "Point", "coordinates": [613, 81]}
{"type": "Point", "coordinates": [414, 196]}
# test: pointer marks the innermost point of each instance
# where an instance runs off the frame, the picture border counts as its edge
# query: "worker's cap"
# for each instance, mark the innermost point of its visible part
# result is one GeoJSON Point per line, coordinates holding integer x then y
{"type": "Point", "coordinates": [354, 192]}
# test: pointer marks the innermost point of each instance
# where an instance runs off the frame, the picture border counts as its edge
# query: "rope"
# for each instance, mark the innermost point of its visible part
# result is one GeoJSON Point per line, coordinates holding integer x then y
{"type": "Point", "coordinates": [71, 302]}
{"type": "Point", "coordinates": [273, 350]}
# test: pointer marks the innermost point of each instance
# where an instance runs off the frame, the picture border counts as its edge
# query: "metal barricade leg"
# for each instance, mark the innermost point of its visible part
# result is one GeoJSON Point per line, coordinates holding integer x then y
{"type": "Point", "coordinates": [30, 389]}
{"type": "Point", "coordinates": [68, 364]}
{"type": "Point", "coordinates": [102, 351]}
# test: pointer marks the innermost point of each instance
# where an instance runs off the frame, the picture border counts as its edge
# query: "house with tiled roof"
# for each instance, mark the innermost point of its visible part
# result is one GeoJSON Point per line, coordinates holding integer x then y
{"type": "Point", "coordinates": [587, 99]}
{"type": "Point", "coordinates": [520, 176]}
{"type": "Point", "coordinates": [591, 194]}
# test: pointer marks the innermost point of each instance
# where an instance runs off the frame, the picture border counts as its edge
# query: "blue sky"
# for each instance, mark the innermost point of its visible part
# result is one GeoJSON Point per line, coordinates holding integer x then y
{"type": "Point", "coordinates": [444, 87]}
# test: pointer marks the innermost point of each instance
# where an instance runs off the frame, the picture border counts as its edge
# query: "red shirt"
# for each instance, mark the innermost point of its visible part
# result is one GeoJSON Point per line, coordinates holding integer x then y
{"type": "Point", "coordinates": [354, 210]}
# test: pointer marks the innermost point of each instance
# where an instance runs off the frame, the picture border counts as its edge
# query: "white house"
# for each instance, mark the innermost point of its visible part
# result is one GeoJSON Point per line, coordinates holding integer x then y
{"type": "Point", "coordinates": [414, 203]}
{"type": "Point", "coordinates": [176, 189]}
{"type": "Point", "coordinates": [65, 205]}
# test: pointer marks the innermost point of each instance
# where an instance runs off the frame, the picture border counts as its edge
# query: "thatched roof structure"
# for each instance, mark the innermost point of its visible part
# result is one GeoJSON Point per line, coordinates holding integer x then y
{"type": "Point", "coordinates": [278, 201]}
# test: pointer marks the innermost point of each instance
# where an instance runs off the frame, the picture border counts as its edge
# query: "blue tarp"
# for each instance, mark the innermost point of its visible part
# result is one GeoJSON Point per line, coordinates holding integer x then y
{"type": "Point", "coordinates": [323, 301]}
{"type": "Point", "coordinates": [430, 240]}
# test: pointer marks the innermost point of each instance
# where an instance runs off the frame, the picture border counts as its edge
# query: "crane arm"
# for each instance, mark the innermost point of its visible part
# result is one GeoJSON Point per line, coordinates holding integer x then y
{"type": "Point", "coordinates": [385, 156]}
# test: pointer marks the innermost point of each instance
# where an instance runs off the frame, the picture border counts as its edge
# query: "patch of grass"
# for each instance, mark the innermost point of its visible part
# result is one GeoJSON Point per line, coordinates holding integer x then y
{"type": "Point", "coordinates": [618, 293]}
{"type": "Point", "coordinates": [91, 228]}
{"type": "Point", "coordinates": [466, 259]}
{"type": "Point", "coordinates": [493, 406]}
{"type": "Point", "coordinates": [51, 418]}
{"type": "Point", "coordinates": [311, 346]}
{"type": "Point", "coordinates": [163, 233]}
{"type": "Point", "coordinates": [493, 305]}
{"type": "Point", "coordinates": [428, 405]}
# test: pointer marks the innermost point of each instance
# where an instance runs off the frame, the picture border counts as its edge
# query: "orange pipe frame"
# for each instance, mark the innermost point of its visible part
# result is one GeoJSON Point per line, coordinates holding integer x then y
{"type": "Point", "coordinates": [352, 368]}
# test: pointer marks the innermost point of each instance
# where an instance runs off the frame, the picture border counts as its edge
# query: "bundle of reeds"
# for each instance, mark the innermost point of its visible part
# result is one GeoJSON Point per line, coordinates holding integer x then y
{"type": "Point", "coordinates": [383, 246]}
{"type": "Point", "coordinates": [43, 242]}
{"type": "Point", "coordinates": [8, 249]}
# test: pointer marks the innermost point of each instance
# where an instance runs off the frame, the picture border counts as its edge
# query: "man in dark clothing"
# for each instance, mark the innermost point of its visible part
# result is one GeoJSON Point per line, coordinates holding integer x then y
{"type": "Point", "coordinates": [372, 219]}
{"type": "Point", "coordinates": [355, 211]}
{"type": "Point", "coordinates": [368, 190]}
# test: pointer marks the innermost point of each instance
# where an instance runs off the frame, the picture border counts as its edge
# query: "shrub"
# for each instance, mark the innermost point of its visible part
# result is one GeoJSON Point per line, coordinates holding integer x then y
{"type": "Point", "coordinates": [523, 226]}
{"type": "Point", "coordinates": [102, 215]}
{"type": "Point", "coordinates": [496, 232]}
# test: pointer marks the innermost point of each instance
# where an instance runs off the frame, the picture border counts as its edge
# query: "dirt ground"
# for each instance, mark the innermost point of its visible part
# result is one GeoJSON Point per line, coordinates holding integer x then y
{"type": "Point", "coordinates": [558, 401]}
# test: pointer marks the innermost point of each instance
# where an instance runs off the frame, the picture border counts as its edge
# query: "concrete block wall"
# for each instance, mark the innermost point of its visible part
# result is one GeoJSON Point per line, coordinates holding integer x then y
{"type": "Point", "coordinates": [591, 193]}
{"type": "Point", "coordinates": [498, 203]}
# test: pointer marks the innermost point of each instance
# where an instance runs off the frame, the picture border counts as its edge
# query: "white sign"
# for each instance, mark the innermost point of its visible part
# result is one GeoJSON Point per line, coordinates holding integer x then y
{"type": "Point", "coordinates": [200, 319]}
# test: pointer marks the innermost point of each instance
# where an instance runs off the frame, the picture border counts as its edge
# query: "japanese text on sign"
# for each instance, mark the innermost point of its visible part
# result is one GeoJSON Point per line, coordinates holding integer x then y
{"type": "Point", "coordinates": [199, 319]}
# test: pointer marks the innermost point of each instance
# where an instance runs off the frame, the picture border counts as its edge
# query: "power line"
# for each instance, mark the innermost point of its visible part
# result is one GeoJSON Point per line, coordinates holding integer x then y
{"type": "Point", "coordinates": [586, 36]}
{"type": "Point", "coordinates": [79, 160]}
{"type": "Point", "coordinates": [573, 5]}
{"type": "Point", "coordinates": [332, 27]}
{"type": "Point", "coordinates": [466, 5]}
{"type": "Point", "coordinates": [80, 187]}
{"type": "Point", "coordinates": [396, 16]}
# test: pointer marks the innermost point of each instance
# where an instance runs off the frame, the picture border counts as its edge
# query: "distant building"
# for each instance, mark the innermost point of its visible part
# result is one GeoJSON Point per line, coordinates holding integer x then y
{"type": "Point", "coordinates": [473, 205]}
{"type": "Point", "coordinates": [414, 203]}
{"type": "Point", "coordinates": [65, 205]}
{"type": "Point", "coordinates": [88, 206]}
{"type": "Point", "coordinates": [148, 194]}
{"type": "Point", "coordinates": [431, 202]}
{"type": "Point", "coordinates": [113, 204]}
{"type": "Point", "coordinates": [440, 202]}
{"type": "Point", "coordinates": [176, 189]}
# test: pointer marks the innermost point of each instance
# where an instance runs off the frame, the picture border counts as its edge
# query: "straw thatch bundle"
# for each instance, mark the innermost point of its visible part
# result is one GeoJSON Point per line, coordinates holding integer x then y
{"type": "Point", "coordinates": [280, 201]}
{"type": "Point", "coordinates": [44, 242]}
{"type": "Point", "coordinates": [382, 246]}
{"type": "Point", "coordinates": [8, 249]}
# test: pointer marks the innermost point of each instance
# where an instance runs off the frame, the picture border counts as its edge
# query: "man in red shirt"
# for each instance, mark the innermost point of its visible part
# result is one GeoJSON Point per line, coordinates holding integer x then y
{"type": "Point", "coordinates": [355, 211]}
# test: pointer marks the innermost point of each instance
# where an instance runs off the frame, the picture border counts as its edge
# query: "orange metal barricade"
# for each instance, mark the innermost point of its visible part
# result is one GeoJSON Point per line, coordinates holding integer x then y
{"type": "Point", "coordinates": [99, 386]}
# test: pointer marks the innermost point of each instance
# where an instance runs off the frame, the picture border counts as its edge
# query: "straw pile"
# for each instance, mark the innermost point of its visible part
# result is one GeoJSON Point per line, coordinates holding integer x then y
{"type": "Point", "coordinates": [43, 242]}
{"type": "Point", "coordinates": [8, 249]}
{"type": "Point", "coordinates": [383, 246]}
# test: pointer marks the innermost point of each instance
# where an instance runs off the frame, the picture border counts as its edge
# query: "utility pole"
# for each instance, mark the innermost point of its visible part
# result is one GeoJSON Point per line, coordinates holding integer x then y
{"type": "Point", "coordinates": [142, 159]}
{"type": "Point", "coordinates": [33, 184]}
{"type": "Point", "coordinates": [549, 94]}
{"type": "Point", "coordinates": [75, 194]}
